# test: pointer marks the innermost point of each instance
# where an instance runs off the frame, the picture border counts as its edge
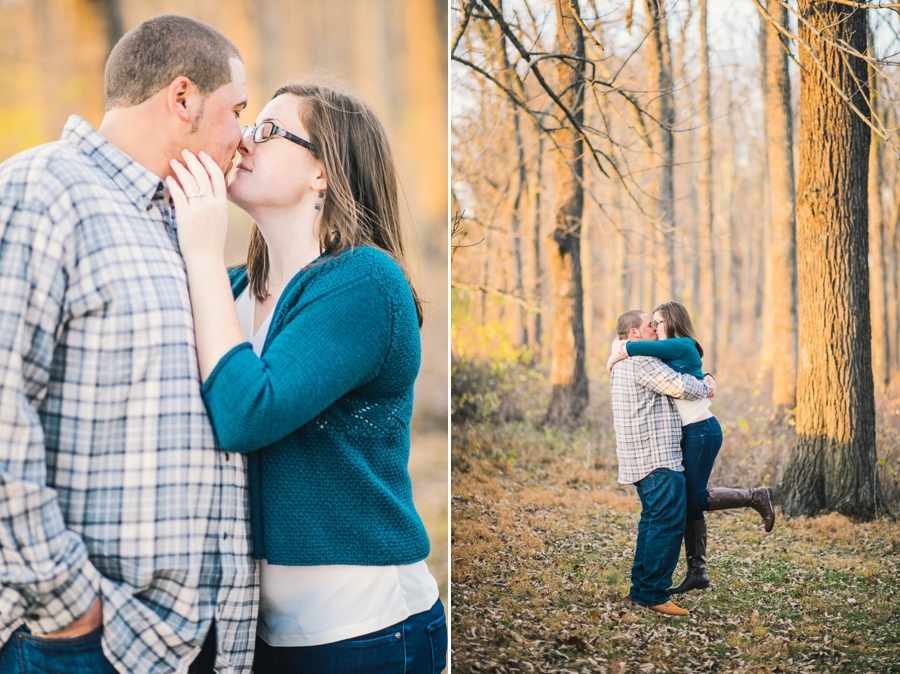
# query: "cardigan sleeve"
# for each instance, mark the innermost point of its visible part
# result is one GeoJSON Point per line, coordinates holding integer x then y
{"type": "Point", "coordinates": [665, 349]}
{"type": "Point", "coordinates": [329, 347]}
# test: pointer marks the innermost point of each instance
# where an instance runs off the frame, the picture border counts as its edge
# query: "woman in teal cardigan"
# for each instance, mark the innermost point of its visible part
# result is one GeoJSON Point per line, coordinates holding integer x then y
{"type": "Point", "coordinates": [308, 355]}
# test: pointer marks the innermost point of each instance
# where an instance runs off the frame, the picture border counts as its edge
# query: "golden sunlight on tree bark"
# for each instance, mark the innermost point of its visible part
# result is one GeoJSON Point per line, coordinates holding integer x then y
{"type": "Point", "coordinates": [832, 465]}
{"type": "Point", "coordinates": [782, 244]}
{"type": "Point", "coordinates": [567, 368]}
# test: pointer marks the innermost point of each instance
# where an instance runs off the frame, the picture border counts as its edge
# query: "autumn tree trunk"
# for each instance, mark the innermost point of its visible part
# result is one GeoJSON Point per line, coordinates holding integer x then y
{"type": "Point", "coordinates": [782, 248]}
{"type": "Point", "coordinates": [710, 314]}
{"type": "Point", "coordinates": [569, 396]}
{"type": "Point", "coordinates": [877, 289]}
{"type": "Point", "coordinates": [536, 323]}
{"type": "Point", "coordinates": [832, 465]}
{"type": "Point", "coordinates": [520, 320]}
{"type": "Point", "coordinates": [764, 291]}
{"type": "Point", "coordinates": [662, 106]}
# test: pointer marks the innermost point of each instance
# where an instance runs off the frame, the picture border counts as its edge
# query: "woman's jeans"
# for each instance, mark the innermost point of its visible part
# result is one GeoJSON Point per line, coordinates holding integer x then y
{"type": "Point", "coordinates": [418, 645]}
{"type": "Point", "coordinates": [660, 533]}
{"type": "Point", "coordinates": [700, 444]}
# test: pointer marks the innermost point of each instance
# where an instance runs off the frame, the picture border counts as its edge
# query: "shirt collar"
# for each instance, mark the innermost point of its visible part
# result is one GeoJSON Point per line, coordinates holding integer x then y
{"type": "Point", "coordinates": [140, 184]}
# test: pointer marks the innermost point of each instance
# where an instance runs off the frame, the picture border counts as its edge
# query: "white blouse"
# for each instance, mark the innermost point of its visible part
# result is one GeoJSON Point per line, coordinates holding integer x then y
{"type": "Point", "coordinates": [313, 605]}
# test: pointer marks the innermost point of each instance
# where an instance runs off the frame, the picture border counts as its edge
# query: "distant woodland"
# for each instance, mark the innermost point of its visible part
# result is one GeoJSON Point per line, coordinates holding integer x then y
{"type": "Point", "coordinates": [739, 157]}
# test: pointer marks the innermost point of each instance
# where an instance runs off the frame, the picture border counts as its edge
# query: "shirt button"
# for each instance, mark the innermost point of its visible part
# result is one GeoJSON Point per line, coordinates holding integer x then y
{"type": "Point", "coordinates": [225, 536]}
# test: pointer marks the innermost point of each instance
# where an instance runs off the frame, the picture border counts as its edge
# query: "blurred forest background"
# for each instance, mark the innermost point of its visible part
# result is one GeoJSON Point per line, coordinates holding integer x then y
{"type": "Point", "coordinates": [740, 157]}
{"type": "Point", "coordinates": [393, 52]}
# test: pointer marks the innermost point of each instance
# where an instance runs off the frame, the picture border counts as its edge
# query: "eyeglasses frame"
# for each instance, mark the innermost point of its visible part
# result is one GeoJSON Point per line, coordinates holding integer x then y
{"type": "Point", "coordinates": [276, 131]}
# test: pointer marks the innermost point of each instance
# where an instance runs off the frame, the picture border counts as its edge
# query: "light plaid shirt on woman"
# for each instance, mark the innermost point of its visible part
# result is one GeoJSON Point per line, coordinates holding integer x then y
{"type": "Point", "coordinates": [647, 424]}
{"type": "Point", "coordinates": [110, 478]}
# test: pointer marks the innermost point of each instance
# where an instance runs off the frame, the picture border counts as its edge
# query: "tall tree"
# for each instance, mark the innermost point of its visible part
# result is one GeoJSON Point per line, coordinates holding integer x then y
{"type": "Point", "coordinates": [535, 331]}
{"type": "Point", "coordinates": [877, 287]}
{"type": "Point", "coordinates": [710, 313]}
{"type": "Point", "coordinates": [569, 396]}
{"type": "Point", "coordinates": [832, 465]}
{"type": "Point", "coordinates": [659, 68]}
{"type": "Point", "coordinates": [517, 193]}
{"type": "Point", "coordinates": [782, 248]}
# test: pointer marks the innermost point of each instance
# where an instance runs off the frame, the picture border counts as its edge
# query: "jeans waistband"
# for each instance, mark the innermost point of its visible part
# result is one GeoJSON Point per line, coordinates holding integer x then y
{"type": "Point", "coordinates": [711, 424]}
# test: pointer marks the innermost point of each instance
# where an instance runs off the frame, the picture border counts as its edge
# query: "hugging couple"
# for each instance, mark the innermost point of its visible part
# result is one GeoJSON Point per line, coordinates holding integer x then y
{"type": "Point", "coordinates": [184, 447]}
{"type": "Point", "coordinates": [666, 442]}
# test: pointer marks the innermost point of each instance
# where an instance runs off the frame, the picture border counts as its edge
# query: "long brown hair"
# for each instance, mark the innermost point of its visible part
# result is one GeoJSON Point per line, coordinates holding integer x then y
{"type": "Point", "coordinates": [362, 206]}
{"type": "Point", "coordinates": [678, 321]}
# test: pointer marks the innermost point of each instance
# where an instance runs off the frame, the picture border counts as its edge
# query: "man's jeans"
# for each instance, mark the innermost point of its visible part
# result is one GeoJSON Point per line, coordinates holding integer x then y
{"type": "Point", "coordinates": [25, 653]}
{"type": "Point", "coordinates": [660, 533]}
{"type": "Point", "coordinates": [700, 444]}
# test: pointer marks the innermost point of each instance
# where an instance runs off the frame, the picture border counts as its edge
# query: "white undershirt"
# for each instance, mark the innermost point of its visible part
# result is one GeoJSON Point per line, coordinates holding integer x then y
{"type": "Point", "coordinates": [692, 410]}
{"type": "Point", "coordinates": [313, 605]}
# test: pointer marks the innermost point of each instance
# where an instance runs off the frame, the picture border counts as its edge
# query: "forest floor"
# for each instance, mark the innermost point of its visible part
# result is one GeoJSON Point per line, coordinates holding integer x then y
{"type": "Point", "coordinates": [543, 541]}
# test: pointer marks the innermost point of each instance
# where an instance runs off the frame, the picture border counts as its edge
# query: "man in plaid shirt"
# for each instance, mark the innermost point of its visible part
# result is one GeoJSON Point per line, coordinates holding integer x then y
{"type": "Point", "coordinates": [124, 543]}
{"type": "Point", "coordinates": [648, 445]}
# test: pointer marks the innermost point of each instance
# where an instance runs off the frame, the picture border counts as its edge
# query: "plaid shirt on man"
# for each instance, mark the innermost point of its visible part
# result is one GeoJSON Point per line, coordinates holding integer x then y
{"type": "Point", "coordinates": [110, 478]}
{"type": "Point", "coordinates": [647, 424]}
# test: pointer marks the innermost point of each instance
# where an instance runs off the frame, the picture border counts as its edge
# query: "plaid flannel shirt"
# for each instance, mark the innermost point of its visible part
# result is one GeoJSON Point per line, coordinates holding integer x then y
{"type": "Point", "coordinates": [648, 426]}
{"type": "Point", "coordinates": [110, 479]}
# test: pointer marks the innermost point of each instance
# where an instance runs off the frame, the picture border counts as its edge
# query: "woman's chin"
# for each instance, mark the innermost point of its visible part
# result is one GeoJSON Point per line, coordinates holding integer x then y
{"type": "Point", "coordinates": [235, 197]}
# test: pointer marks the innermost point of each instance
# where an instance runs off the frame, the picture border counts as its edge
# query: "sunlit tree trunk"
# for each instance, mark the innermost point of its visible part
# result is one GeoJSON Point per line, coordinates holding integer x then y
{"type": "Point", "coordinates": [588, 275]}
{"type": "Point", "coordinates": [569, 395]}
{"type": "Point", "coordinates": [725, 234]}
{"type": "Point", "coordinates": [877, 289]}
{"type": "Point", "coordinates": [534, 333]}
{"type": "Point", "coordinates": [832, 465]}
{"type": "Point", "coordinates": [112, 15]}
{"type": "Point", "coordinates": [663, 109]}
{"type": "Point", "coordinates": [891, 271]}
{"type": "Point", "coordinates": [782, 245]}
{"type": "Point", "coordinates": [520, 329]}
{"type": "Point", "coordinates": [710, 315]}
{"type": "Point", "coordinates": [765, 276]}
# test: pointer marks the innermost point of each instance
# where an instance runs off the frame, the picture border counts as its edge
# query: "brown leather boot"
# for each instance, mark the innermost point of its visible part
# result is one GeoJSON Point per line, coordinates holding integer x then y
{"type": "Point", "coordinates": [695, 551]}
{"type": "Point", "coordinates": [758, 498]}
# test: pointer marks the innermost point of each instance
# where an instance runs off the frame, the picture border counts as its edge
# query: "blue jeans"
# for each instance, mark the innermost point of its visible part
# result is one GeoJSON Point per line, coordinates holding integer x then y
{"type": "Point", "coordinates": [660, 533]}
{"type": "Point", "coordinates": [700, 444]}
{"type": "Point", "coordinates": [25, 653]}
{"type": "Point", "coordinates": [418, 645]}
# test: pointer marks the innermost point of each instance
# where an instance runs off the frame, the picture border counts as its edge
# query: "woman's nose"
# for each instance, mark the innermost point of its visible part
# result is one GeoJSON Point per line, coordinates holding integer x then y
{"type": "Point", "coordinates": [246, 145]}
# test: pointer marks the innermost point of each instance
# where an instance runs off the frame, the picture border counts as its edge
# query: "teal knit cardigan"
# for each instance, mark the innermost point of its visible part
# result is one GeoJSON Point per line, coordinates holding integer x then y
{"type": "Point", "coordinates": [679, 353]}
{"type": "Point", "coordinates": [324, 414]}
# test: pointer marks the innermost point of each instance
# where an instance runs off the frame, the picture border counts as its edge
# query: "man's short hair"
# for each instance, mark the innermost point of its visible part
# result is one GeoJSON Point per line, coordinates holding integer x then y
{"type": "Point", "coordinates": [627, 321]}
{"type": "Point", "coordinates": [151, 55]}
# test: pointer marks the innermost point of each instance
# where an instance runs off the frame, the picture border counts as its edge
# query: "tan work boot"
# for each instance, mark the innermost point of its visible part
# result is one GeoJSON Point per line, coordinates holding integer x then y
{"type": "Point", "coordinates": [670, 609]}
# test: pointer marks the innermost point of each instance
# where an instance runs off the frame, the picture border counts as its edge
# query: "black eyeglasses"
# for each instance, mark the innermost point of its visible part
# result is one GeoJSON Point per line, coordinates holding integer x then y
{"type": "Point", "coordinates": [267, 130]}
{"type": "Point", "coordinates": [656, 324]}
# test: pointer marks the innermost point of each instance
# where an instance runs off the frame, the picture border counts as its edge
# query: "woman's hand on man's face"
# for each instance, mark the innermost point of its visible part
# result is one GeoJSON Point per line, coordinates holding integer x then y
{"type": "Point", "coordinates": [200, 203]}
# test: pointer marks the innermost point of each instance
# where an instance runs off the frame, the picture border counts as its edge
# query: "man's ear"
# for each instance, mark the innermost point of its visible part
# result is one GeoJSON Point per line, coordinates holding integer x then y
{"type": "Point", "coordinates": [180, 96]}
